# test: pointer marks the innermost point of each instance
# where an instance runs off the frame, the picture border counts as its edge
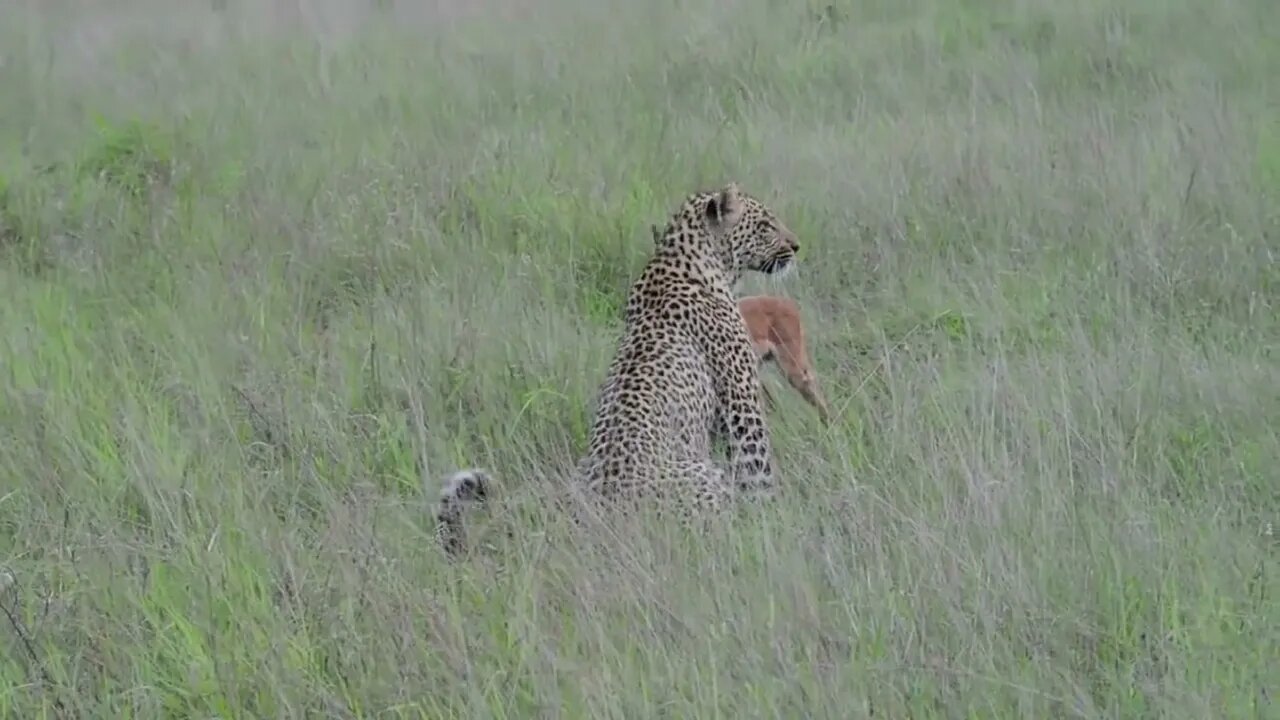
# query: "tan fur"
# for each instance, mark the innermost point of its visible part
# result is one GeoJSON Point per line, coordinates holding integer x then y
{"type": "Point", "coordinates": [777, 334]}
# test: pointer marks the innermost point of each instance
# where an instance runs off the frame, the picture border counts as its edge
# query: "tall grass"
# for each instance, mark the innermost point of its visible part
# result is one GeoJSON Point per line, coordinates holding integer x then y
{"type": "Point", "coordinates": [271, 271]}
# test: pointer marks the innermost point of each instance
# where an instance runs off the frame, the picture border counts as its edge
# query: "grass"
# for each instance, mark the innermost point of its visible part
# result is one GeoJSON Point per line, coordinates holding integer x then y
{"type": "Point", "coordinates": [270, 272]}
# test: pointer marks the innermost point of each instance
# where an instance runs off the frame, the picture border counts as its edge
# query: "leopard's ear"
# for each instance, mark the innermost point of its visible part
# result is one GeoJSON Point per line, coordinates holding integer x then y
{"type": "Point", "coordinates": [657, 234]}
{"type": "Point", "coordinates": [725, 207]}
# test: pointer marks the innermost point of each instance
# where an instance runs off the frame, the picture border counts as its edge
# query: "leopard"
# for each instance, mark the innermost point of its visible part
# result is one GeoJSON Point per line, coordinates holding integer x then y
{"type": "Point", "coordinates": [684, 374]}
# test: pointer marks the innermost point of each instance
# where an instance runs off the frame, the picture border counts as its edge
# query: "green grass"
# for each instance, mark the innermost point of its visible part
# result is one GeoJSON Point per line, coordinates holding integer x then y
{"type": "Point", "coordinates": [269, 276]}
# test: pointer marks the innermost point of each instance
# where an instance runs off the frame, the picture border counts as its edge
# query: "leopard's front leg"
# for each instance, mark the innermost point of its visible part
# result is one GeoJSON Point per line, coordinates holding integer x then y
{"type": "Point", "coordinates": [736, 370]}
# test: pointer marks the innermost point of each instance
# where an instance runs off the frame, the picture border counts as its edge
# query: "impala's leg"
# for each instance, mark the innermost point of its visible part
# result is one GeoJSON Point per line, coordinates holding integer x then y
{"type": "Point", "coordinates": [794, 363]}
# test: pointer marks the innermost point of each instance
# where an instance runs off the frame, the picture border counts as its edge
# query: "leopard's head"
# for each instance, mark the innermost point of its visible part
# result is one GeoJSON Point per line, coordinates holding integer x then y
{"type": "Point", "coordinates": [742, 231]}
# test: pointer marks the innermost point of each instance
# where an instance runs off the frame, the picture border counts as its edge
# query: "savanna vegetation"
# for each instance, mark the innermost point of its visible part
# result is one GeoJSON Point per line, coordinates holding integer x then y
{"type": "Point", "coordinates": [271, 270]}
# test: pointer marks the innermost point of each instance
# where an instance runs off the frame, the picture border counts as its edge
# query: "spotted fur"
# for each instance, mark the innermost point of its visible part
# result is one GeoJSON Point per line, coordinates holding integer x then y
{"type": "Point", "coordinates": [773, 324]}
{"type": "Point", "coordinates": [684, 373]}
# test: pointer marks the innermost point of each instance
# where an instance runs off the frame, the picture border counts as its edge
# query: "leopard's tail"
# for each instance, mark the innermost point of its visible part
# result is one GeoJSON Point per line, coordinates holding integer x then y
{"type": "Point", "coordinates": [462, 489]}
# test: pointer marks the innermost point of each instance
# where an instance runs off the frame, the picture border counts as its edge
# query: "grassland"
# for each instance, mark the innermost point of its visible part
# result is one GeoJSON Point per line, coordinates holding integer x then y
{"type": "Point", "coordinates": [268, 273]}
